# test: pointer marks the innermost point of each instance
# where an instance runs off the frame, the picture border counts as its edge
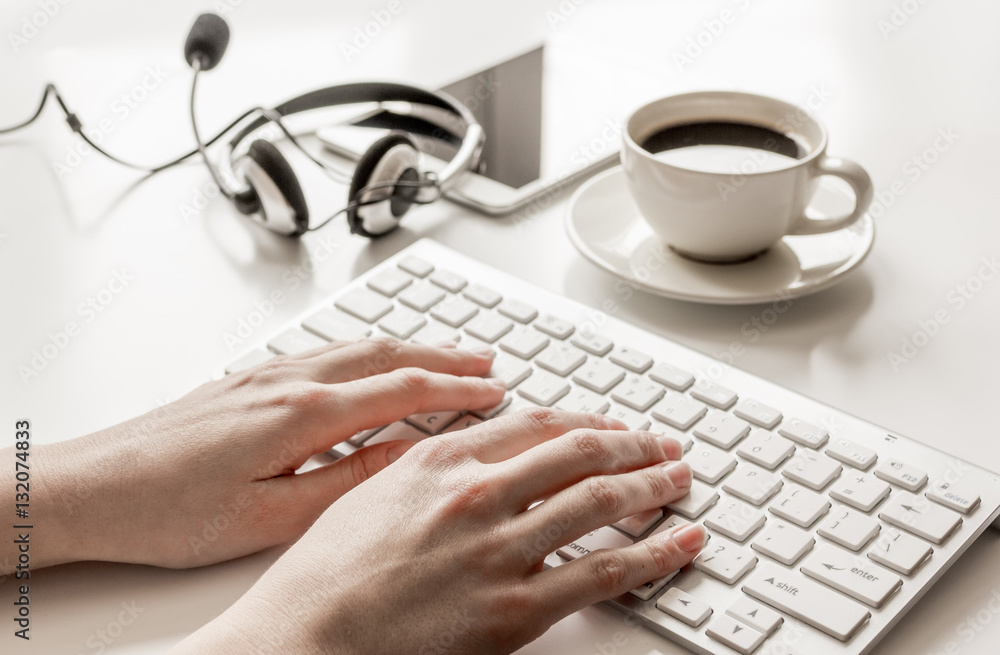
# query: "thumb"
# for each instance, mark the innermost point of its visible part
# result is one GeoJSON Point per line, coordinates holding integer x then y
{"type": "Point", "coordinates": [326, 484]}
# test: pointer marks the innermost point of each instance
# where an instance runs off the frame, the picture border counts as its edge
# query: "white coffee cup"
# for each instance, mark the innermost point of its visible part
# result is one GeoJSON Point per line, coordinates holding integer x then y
{"type": "Point", "coordinates": [731, 210]}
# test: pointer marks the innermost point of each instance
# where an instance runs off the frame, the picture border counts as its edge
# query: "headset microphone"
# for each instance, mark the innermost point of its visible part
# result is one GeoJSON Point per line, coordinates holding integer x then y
{"type": "Point", "coordinates": [206, 42]}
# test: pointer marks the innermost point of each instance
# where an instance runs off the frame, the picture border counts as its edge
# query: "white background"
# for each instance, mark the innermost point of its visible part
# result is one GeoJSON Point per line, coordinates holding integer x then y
{"type": "Point", "coordinates": [888, 93]}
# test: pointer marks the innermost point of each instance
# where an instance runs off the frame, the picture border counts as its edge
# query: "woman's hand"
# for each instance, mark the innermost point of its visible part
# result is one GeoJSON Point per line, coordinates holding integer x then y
{"type": "Point", "coordinates": [446, 553]}
{"type": "Point", "coordinates": [211, 476]}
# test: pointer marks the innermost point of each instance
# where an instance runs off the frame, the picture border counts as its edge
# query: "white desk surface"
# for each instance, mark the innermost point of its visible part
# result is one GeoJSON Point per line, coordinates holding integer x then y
{"type": "Point", "coordinates": [887, 94]}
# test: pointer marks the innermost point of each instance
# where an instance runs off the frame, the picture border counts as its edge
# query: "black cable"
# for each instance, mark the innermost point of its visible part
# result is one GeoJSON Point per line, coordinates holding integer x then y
{"type": "Point", "coordinates": [197, 137]}
{"type": "Point", "coordinates": [422, 184]}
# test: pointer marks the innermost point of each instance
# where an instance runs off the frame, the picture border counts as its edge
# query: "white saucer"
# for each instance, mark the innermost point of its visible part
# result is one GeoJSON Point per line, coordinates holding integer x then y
{"type": "Point", "coordinates": [606, 227]}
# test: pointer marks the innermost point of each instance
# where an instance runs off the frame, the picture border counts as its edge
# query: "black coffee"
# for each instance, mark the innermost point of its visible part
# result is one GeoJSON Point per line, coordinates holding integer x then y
{"type": "Point", "coordinates": [723, 147]}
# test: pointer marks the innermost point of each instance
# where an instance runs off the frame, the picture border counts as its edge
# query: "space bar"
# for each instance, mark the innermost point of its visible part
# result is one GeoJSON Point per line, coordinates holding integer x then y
{"type": "Point", "coordinates": [808, 601]}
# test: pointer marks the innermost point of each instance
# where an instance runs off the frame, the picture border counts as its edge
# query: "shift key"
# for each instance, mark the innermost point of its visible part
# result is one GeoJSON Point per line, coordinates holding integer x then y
{"type": "Point", "coordinates": [808, 601]}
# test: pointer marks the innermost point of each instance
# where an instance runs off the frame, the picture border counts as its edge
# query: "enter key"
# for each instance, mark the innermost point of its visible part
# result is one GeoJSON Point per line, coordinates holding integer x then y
{"type": "Point", "coordinates": [855, 576]}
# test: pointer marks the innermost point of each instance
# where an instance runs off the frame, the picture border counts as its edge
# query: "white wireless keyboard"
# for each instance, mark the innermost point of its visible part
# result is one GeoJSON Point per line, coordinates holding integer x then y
{"type": "Point", "coordinates": [823, 529]}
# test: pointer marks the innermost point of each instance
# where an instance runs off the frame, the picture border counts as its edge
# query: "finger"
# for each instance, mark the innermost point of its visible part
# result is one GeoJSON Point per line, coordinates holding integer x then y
{"type": "Point", "coordinates": [601, 500]}
{"type": "Point", "coordinates": [555, 465]}
{"type": "Point", "coordinates": [507, 436]}
{"type": "Point", "coordinates": [312, 492]}
{"type": "Point", "coordinates": [389, 397]}
{"type": "Point", "coordinates": [605, 574]}
{"type": "Point", "coordinates": [381, 355]}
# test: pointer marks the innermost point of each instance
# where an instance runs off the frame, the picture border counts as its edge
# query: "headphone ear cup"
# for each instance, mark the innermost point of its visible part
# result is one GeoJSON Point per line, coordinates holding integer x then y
{"type": "Point", "coordinates": [279, 177]}
{"type": "Point", "coordinates": [392, 158]}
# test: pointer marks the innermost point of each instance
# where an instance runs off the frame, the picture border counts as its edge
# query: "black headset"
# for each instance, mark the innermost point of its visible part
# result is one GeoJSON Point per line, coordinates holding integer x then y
{"type": "Point", "coordinates": [261, 183]}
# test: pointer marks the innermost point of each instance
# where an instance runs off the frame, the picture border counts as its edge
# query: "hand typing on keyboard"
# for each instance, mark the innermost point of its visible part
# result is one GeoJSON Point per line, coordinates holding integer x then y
{"type": "Point", "coordinates": [212, 477]}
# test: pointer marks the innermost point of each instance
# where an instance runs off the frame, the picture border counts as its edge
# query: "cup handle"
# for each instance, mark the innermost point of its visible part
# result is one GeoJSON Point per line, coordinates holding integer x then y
{"type": "Point", "coordinates": [854, 175]}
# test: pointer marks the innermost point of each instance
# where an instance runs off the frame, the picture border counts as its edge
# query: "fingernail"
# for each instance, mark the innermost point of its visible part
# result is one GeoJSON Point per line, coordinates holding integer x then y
{"type": "Point", "coordinates": [689, 538]}
{"type": "Point", "coordinates": [483, 351]}
{"type": "Point", "coordinates": [679, 473]}
{"type": "Point", "coordinates": [671, 447]}
{"type": "Point", "coordinates": [614, 424]}
{"type": "Point", "coordinates": [450, 343]}
{"type": "Point", "coordinates": [396, 452]}
{"type": "Point", "coordinates": [497, 382]}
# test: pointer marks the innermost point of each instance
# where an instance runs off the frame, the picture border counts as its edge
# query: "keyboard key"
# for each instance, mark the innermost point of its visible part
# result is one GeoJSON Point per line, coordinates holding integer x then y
{"type": "Point", "coordinates": [804, 433]}
{"type": "Point", "coordinates": [554, 326]}
{"type": "Point", "coordinates": [853, 575]}
{"type": "Point", "coordinates": [722, 429]}
{"type": "Point", "coordinates": [725, 561]}
{"type": "Point", "coordinates": [397, 431]}
{"type": "Point", "coordinates": [758, 413]}
{"type": "Point", "coordinates": [684, 607]}
{"type": "Point", "coordinates": [519, 311]}
{"type": "Point", "coordinates": [684, 439]}
{"type": "Point", "coordinates": [455, 311]}
{"type": "Point", "coordinates": [753, 484]}
{"type": "Point", "coordinates": [783, 542]}
{"type": "Point", "coordinates": [806, 600]}
{"type": "Point", "coordinates": [432, 422]}
{"type": "Point", "coordinates": [852, 454]}
{"type": "Point", "coordinates": [605, 537]}
{"type": "Point", "coordinates": [364, 435]}
{"type": "Point", "coordinates": [599, 375]}
{"type": "Point", "coordinates": [675, 378]}
{"type": "Point", "coordinates": [436, 334]}
{"type": "Point", "coordinates": [483, 296]}
{"type": "Point", "coordinates": [650, 589]}
{"type": "Point", "coordinates": [860, 490]}
{"type": "Point", "coordinates": [849, 529]}
{"type": "Point", "coordinates": [402, 322]}
{"type": "Point", "coordinates": [364, 304]}
{"type": "Point", "coordinates": [561, 358]}
{"type": "Point", "coordinates": [632, 419]}
{"type": "Point", "coordinates": [543, 388]}
{"type": "Point", "coordinates": [710, 464]}
{"type": "Point", "coordinates": [594, 344]}
{"type": "Point", "coordinates": [448, 280]}
{"type": "Point", "coordinates": [812, 469]}
{"type": "Point", "coordinates": [335, 325]}
{"type": "Point", "coordinates": [390, 282]}
{"type": "Point", "coordinates": [488, 326]}
{"type": "Point", "coordinates": [904, 475]}
{"type": "Point", "coordinates": [734, 519]}
{"type": "Point", "coordinates": [679, 411]}
{"type": "Point", "coordinates": [638, 393]}
{"type": "Point", "coordinates": [416, 266]}
{"type": "Point", "coordinates": [464, 422]}
{"type": "Point", "coordinates": [487, 414]}
{"type": "Point", "coordinates": [960, 499]}
{"type": "Point", "coordinates": [899, 551]}
{"type": "Point", "coordinates": [421, 297]}
{"type": "Point", "coordinates": [755, 615]}
{"type": "Point", "coordinates": [633, 360]}
{"type": "Point", "coordinates": [738, 636]}
{"type": "Point", "coordinates": [765, 448]}
{"type": "Point", "coordinates": [921, 517]}
{"type": "Point", "coordinates": [800, 506]}
{"type": "Point", "coordinates": [524, 342]}
{"type": "Point", "coordinates": [582, 400]}
{"type": "Point", "coordinates": [698, 500]}
{"type": "Point", "coordinates": [249, 360]}
{"type": "Point", "coordinates": [714, 394]}
{"type": "Point", "coordinates": [512, 370]}
{"type": "Point", "coordinates": [294, 341]}
{"type": "Point", "coordinates": [637, 524]}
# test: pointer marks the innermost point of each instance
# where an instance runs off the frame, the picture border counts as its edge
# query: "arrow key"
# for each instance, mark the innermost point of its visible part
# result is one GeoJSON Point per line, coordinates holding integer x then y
{"type": "Point", "coordinates": [755, 615]}
{"type": "Point", "coordinates": [738, 636]}
{"type": "Point", "coordinates": [683, 606]}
